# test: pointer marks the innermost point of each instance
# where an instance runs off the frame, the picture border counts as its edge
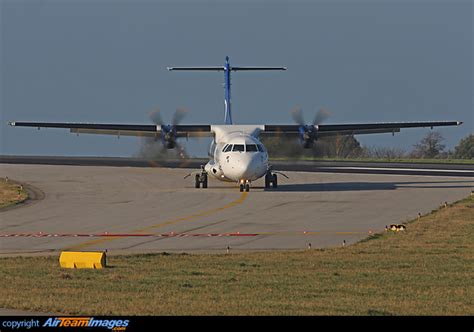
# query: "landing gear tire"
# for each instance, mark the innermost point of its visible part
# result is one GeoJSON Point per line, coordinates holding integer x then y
{"type": "Point", "coordinates": [241, 188]}
{"type": "Point", "coordinates": [201, 178]}
{"type": "Point", "coordinates": [247, 187]}
{"type": "Point", "coordinates": [275, 181]}
{"type": "Point", "coordinates": [267, 181]}
{"type": "Point", "coordinates": [271, 180]}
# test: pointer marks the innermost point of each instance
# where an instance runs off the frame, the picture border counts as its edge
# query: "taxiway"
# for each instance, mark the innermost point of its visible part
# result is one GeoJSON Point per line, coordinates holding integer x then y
{"type": "Point", "coordinates": [143, 209]}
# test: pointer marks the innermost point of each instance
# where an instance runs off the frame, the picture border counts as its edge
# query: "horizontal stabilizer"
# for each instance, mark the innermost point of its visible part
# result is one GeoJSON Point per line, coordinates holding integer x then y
{"type": "Point", "coordinates": [256, 68]}
{"type": "Point", "coordinates": [210, 68]}
{"type": "Point", "coordinates": [222, 68]}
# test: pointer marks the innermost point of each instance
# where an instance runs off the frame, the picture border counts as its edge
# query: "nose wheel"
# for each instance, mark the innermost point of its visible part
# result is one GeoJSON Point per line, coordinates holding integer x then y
{"type": "Point", "coordinates": [245, 186]}
{"type": "Point", "coordinates": [271, 180]}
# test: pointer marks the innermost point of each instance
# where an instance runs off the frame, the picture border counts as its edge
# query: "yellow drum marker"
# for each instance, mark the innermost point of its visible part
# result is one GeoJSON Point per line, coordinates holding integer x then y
{"type": "Point", "coordinates": [241, 199]}
{"type": "Point", "coordinates": [82, 260]}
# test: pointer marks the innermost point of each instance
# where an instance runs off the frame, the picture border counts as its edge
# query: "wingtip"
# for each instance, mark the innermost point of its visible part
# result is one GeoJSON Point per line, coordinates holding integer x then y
{"type": "Point", "coordinates": [11, 123]}
{"type": "Point", "coordinates": [459, 123]}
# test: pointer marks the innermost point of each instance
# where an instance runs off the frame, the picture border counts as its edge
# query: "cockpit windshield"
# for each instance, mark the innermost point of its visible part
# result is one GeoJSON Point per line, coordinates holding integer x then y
{"type": "Point", "coordinates": [227, 148]}
{"type": "Point", "coordinates": [251, 148]}
{"type": "Point", "coordinates": [243, 147]}
{"type": "Point", "coordinates": [238, 147]}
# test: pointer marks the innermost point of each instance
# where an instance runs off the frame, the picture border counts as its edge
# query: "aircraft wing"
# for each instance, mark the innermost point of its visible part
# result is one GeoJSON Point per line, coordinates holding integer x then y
{"type": "Point", "coordinates": [352, 129]}
{"type": "Point", "coordinates": [206, 130]}
{"type": "Point", "coordinates": [121, 129]}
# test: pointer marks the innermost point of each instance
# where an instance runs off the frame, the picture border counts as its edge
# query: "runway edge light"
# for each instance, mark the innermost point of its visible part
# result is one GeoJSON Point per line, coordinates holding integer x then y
{"type": "Point", "coordinates": [82, 260]}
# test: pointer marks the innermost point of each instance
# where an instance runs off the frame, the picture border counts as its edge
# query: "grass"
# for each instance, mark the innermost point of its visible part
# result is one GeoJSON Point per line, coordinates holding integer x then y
{"type": "Point", "coordinates": [11, 193]}
{"type": "Point", "coordinates": [386, 160]}
{"type": "Point", "coordinates": [425, 270]}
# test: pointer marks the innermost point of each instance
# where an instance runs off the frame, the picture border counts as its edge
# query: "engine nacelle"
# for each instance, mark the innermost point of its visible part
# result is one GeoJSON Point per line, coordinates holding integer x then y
{"type": "Point", "coordinates": [168, 136]}
{"type": "Point", "coordinates": [307, 135]}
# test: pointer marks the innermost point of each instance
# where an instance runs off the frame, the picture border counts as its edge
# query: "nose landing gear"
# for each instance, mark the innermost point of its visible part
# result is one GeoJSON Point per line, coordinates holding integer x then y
{"type": "Point", "coordinates": [245, 186]}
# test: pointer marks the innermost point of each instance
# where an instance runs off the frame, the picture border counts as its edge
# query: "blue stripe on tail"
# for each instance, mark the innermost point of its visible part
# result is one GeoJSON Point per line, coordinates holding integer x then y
{"type": "Point", "coordinates": [228, 113]}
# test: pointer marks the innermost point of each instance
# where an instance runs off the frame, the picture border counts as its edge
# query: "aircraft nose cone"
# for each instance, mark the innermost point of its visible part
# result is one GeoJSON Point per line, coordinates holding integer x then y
{"type": "Point", "coordinates": [246, 167]}
{"type": "Point", "coordinates": [254, 165]}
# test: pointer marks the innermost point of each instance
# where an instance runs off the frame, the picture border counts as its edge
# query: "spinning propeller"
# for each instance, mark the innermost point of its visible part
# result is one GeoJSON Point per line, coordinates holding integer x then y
{"type": "Point", "coordinates": [168, 131]}
{"type": "Point", "coordinates": [169, 135]}
{"type": "Point", "coordinates": [308, 132]}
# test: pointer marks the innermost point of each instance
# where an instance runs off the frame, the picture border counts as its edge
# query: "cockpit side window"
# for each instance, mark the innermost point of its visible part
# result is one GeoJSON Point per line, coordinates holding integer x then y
{"type": "Point", "coordinates": [260, 148]}
{"type": "Point", "coordinates": [228, 148]}
{"type": "Point", "coordinates": [251, 148]}
{"type": "Point", "coordinates": [239, 147]}
{"type": "Point", "coordinates": [223, 149]}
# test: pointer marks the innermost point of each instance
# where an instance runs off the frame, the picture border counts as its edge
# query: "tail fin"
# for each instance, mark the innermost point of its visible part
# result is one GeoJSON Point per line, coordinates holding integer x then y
{"type": "Point", "coordinates": [227, 69]}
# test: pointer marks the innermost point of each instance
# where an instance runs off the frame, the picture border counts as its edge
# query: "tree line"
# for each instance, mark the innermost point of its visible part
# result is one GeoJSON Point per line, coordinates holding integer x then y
{"type": "Point", "coordinates": [429, 147]}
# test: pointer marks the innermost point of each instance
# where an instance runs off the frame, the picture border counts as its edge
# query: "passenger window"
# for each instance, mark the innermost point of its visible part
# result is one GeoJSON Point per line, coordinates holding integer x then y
{"type": "Point", "coordinates": [251, 148]}
{"type": "Point", "coordinates": [260, 148]}
{"type": "Point", "coordinates": [228, 148]}
{"type": "Point", "coordinates": [238, 147]}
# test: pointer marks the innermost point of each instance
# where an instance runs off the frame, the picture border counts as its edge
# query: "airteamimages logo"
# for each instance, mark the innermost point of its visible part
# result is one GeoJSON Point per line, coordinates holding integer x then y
{"type": "Point", "coordinates": [111, 324]}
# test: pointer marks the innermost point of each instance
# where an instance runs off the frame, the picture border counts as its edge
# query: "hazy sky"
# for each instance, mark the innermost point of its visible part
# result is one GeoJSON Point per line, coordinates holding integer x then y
{"type": "Point", "coordinates": [105, 61]}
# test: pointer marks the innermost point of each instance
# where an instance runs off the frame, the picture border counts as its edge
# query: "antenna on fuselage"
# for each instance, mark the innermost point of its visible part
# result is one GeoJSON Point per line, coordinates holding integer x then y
{"type": "Point", "coordinates": [227, 69]}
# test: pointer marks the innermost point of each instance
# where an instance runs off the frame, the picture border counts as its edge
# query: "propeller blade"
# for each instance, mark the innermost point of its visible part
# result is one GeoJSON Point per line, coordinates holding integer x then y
{"type": "Point", "coordinates": [178, 116]}
{"type": "Point", "coordinates": [155, 117]}
{"type": "Point", "coordinates": [321, 116]}
{"type": "Point", "coordinates": [297, 115]}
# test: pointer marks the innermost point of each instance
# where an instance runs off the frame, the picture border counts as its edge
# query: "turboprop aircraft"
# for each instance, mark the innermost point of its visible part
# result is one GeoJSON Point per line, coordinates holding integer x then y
{"type": "Point", "coordinates": [236, 152]}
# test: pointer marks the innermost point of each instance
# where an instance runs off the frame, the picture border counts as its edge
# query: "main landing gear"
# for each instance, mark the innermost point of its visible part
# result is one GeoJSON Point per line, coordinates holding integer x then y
{"type": "Point", "coordinates": [245, 186]}
{"type": "Point", "coordinates": [201, 178]}
{"type": "Point", "coordinates": [271, 179]}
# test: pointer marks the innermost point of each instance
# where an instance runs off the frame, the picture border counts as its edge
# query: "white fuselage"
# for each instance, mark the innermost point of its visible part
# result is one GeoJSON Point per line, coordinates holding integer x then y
{"type": "Point", "coordinates": [237, 154]}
